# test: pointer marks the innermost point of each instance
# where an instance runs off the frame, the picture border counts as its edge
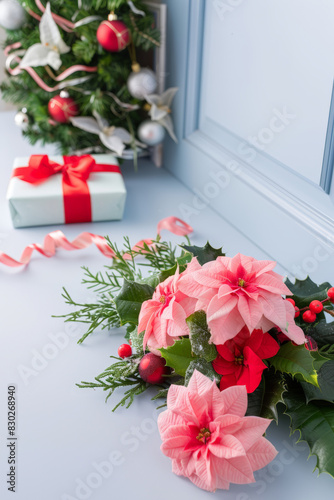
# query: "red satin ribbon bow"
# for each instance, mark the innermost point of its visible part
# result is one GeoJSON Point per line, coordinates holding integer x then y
{"type": "Point", "coordinates": [75, 173]}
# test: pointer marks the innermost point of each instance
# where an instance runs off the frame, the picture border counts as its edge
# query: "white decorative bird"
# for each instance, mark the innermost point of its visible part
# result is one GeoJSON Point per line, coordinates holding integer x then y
{"type": "Point", "coordinates": [160, 109]}
{"type": "Point", "coordinates": [51, 46]}
{"type": "Point", "coordinates": [114, 138]}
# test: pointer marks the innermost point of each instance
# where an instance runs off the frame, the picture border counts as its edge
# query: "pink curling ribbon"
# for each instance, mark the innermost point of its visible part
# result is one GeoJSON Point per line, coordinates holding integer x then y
{"type": "Point", "coordinates": [69, 71]}
{"type": "Point", "coordinates": [57, 239]}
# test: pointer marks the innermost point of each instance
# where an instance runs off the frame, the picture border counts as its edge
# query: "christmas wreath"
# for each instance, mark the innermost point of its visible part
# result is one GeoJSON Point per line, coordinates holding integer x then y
{"type": "Point", "coordinates": [224, 340]}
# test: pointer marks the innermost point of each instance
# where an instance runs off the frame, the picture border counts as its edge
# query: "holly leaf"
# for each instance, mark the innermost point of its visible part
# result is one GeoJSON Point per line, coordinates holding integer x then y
{"type": "Point", "coordinates": [304, 291]}
{"type": "Point", "coordinates": [325, 391]}
{"type": "Point", "coordinates": [202, 366]}
{"type": "Point", "coordinates": [255, 400]}
{"type": "Point", "coordinates": [129, 300]}
{"type": "Point", "coordinates": [204, 254]}
{"type": "Point", "coordinates": [275, 388]}
{"type": "Point", "coordinates": [322, 333]}
{"type": "Point", "coordinates": [178, 356]}
{"type": "Point", "coordinates": [200, 336]}
{"type": "Point", "coordinates": [166, 273]}
{"type": "Point", "coordinates": [152, 280]}
{"type": "Point", "coordinates": [264, 400]}
{"type": "Point", "coordinates": [296, 361]}
{"type": "Point", "coordinates": [315, 424]}
{"type": "Point", "coordinates": [129, 330]}
{"type": "Point", "coordinates": [184, 260]}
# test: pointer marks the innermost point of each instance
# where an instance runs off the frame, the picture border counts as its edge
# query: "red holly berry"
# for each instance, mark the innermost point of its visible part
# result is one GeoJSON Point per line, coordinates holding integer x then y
{"type": "Point", "coordinates": [152, 368]}
{"type": "Point", "coordinates": [309, 316]}
{"type": "Point", "coordinates": [297, 312]}
{"type": "Point", "coordinates": [316, 306]}
{"type": "Point", "coordinates": [124, 351]}
{"type": "Point", "coordinates": [330, 294]}
{"type": "Point", "coordinates": [291, 301]}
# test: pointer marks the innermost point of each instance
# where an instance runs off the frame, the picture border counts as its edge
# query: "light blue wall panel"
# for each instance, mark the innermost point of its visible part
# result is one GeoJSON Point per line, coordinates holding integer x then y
{"type": "Point", "coordinates": [285, 214]}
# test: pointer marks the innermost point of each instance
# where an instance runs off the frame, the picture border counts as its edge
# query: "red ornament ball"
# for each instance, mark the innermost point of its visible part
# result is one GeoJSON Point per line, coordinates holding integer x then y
{"type": "Point", "coordinates": [61, 108]}
{"type": "Point", "coordinates": [330, 294]}
{"type": "Point", "coordinates": [124, 351]}
{"type": "Point", "coordinates": [309, 316]}
{"type": "Point", "coordinates": [316, 306]}
{"type": "Point", "coordinates": [297, 312]}
{"type": "Point", "coordinates": [152, 368]}
{"type": "Point", "coordinates": [292, 302]}
{"type": "Point", "coordinates": [114, 36]}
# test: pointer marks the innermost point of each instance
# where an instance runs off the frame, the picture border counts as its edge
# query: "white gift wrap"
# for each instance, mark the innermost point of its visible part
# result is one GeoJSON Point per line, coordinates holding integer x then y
{"type": "Point", "coordinates": [42, 204]}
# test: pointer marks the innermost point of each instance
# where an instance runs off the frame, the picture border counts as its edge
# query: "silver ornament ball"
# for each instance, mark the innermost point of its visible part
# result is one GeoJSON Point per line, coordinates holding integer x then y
{"type": "Point", "coordinates": [22, 120]}
{"type": "Point", "coordinates": [141, 83]}
{"type": "Point", "coordinates": [151, 133]}
{"type": "Point", "coordinates": [12, 14]}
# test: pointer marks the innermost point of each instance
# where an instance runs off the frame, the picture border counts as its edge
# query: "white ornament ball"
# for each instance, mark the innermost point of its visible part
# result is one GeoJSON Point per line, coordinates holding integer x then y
{"type": "Point", "coordinates": [141, 83]}
{"type": "Point", "coordinates": [21, 119]}
{"type": "Point", "coordinates": [12, 14]}
{"type": "Point", "coordinates": [151, 133]}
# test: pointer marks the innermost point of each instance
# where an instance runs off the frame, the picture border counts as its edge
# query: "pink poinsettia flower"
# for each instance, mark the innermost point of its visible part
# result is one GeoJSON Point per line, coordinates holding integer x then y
{"type": "Point", "coordinates": [209, 439]}
{"type": "Point", "coordinates": [239, 360]}
{"type": "Point", "coordinates": [240, 291]}
{"type": "Point", "coordinates": [163, 318]}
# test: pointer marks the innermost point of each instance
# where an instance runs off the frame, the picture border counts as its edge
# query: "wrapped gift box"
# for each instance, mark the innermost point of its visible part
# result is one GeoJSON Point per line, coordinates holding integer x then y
{"type": "Point", "coordinates": [56, 190]}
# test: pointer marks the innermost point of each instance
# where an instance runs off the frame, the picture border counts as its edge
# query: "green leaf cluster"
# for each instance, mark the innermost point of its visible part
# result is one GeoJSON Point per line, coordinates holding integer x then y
{"type": "Point", "coordinates": [193, 352]}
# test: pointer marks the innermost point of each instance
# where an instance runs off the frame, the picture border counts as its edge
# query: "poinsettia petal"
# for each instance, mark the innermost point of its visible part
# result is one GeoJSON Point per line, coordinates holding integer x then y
{"type": "Point", "coordinates": [226, 352]}
{"type": "Point", "coordinates": [234, 400]}
{"type": "Point", "coordinates": [250, 311]}
{"type": "Point", "coordinates": [252, 370]}
{"type": "Point", "coordinates": [205, 474]}
{"type": "Point", "coordinates": [268, 347]}
{"type": "Point", "coordinates": [200, 384]}
{"type": "Point", "coordinates": [250, 431]}
{"type": "Point", "coordinates": [294, 332]}
{"type": "Point", "coordinates": [263, 266]}
{"type": "Point", "coordinates": [272, 284]}
{"type": "Point", "coordinates": [261, 454]}
{"type": "Point", "coordinates": [176, 441]}
{"type": "Point", "coordinates": [166, 419]}
{"type": "Point", "coordinates": [228, 447]}
{"type": "Point", "coordinates": [273, 308]}
{"type": "Point", "coordinates": [190, 405]}
{"type": "Point", "coordinates": [223, 321]}
{"type": "Point", "coordinates": [228, 380]}
{"type": "Point", "coordinates": [237, 470]}
{"type": "Point", "coordinates": [254, 341]}
{"type": "Point", "coordinates": [224, 367]}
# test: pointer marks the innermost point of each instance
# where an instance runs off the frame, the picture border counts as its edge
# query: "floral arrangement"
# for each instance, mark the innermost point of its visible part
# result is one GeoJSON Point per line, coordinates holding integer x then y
{"type": "Point", "coordinates": [224, 340]}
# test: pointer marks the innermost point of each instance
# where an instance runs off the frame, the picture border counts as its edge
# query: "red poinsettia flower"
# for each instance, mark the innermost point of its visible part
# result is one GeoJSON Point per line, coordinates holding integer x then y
{"type": "Point", "coordinates": [239, 361]}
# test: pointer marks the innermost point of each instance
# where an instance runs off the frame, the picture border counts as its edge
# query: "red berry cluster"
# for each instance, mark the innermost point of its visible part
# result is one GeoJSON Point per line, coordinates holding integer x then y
{"type": "Point", "coordinates": [315, 307]}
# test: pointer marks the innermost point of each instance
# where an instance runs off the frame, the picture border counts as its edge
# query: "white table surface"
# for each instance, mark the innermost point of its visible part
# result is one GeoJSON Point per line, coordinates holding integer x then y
{"type": "Point", "coordinates": [65, 432]}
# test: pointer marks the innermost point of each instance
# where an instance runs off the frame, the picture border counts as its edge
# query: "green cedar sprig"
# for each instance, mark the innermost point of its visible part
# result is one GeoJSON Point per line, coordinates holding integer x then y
{"type": "Point", "coordinates": [102, 313]}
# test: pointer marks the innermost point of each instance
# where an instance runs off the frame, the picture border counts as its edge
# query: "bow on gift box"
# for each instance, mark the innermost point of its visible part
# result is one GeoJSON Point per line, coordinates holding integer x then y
{"type": "Point", "coordinates": [75, 172]}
